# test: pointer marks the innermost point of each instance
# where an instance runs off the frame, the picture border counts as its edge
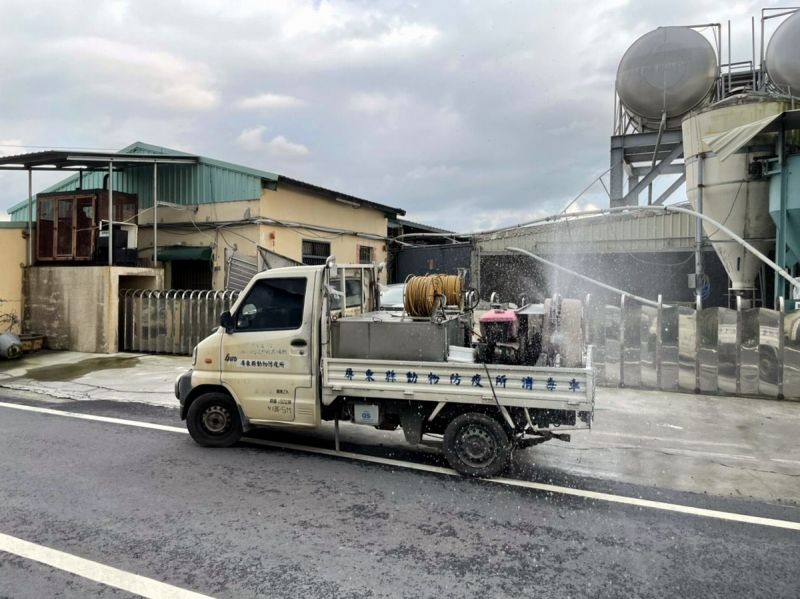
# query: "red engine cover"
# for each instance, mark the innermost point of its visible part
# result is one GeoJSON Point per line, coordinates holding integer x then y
{"type": "Point", "coordinates": [495, 319]}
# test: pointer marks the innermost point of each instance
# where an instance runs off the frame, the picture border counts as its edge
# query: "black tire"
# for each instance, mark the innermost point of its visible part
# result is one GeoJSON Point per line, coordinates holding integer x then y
{"type": "Point", "coordinates": [477, 445]}
{"type": "Point", "coordinates": [213, 420]}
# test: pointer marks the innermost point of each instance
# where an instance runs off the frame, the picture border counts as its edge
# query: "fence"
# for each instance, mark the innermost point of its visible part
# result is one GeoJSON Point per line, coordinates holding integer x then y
{"type": "Point", "coordinates": [716, 350]}
{"type": "Point", "coordinates": [673, 348]}
{"type": "Point", "coordinates": [169, 321]}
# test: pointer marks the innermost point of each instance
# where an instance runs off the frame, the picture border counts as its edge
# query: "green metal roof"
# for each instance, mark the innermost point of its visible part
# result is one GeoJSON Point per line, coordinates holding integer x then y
{"type": "Point", "coordinates": [208, 182]}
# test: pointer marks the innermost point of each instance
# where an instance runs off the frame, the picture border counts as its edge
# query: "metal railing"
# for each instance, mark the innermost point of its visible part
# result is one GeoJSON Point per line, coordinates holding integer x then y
{"type": "Point", "coordinates": [750, 352]}
{"type": "Point", "coordinates": [172, 321]}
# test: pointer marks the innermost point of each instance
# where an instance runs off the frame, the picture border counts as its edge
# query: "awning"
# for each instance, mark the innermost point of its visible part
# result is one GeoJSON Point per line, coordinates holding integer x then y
{"type": "Point", "coordinates": [180, 252]}
{"type": "Point", "coordinates": [728, 143]}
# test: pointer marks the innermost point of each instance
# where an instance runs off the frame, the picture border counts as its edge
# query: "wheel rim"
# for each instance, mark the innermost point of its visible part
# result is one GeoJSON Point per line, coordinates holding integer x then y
{"type": "Point", "coordinates": [216, 420]}
{"type": "Point", "coordinates": [476, 446]}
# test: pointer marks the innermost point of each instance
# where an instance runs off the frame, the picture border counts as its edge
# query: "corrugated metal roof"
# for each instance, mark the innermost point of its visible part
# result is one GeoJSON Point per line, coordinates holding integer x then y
{"type": "Point", "coordinates": [603, 233]}
{"type": "Point", "coordinates": [402, 222]}
{"type": "Point", "coordinates": [208, 182]}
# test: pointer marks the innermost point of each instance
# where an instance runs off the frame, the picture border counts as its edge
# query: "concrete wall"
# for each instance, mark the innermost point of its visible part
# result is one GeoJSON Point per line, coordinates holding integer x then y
{"type": "Point", "coordinates": [295, 204]}
{"type": "Point", "coordinates": [13, 253]}
{"type": "Point", "coordinates": [287, 204]}
{"type": "Point", "coordinates": [77, 307]}
{"type": "Point", "coordinates": [243, 237]}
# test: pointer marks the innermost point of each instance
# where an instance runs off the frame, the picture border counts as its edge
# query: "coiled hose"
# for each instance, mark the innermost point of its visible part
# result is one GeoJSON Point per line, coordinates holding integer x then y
{"type": "Point", "coordinates": [419, 297]}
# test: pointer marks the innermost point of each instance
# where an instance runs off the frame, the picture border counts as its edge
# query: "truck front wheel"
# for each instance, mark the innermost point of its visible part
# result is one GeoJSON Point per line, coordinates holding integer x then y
{"type": "Point", "coordinates": [213, 420]}
{"type": "Point", "coordinates": [477, 445]}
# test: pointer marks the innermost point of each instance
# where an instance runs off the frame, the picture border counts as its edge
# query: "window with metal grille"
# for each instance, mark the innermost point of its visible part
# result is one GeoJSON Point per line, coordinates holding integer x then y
{"type": "Point", "coordinates": [315, 252]}
{"type": "Point", "coordinates": [366, 254]}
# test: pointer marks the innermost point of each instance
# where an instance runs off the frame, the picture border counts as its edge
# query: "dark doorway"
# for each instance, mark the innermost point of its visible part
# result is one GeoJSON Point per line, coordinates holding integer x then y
{"type": "Point", "coordinates": [190, 274]}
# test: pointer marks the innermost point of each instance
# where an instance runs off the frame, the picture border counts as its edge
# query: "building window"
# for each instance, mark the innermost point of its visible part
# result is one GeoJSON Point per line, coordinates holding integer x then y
{"type": "Point", "coordinates": [366, 254]}
{"type": "Point", "coordinates": [315, 252]}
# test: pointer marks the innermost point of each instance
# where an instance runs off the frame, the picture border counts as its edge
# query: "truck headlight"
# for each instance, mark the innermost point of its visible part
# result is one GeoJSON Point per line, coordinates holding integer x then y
{"type": "Point", "coordinates": [194, 356]}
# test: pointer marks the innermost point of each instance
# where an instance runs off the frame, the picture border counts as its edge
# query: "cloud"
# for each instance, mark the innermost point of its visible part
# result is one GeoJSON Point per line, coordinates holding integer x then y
{"type": "Point", "coordinates": [111, 69]}
{"type": "Point", "coordinates": [278, 147]}
{"type": "Point", "coordinates": [281, 147]}
{"type": "Point", "coordinates": [465, 114]}
{"type": "Point", "coordinates": [412, 36]}
{"type": "Point", "coordinates": [268, 102]}
{"type": "Point", "coordinates": [251, 139]}
{"type": "Point", "coordinates": [438, 171]}
{"type": "Point", "coordinates": [10, 147]}
{"type": "Point", "coordinates": [376, 103]}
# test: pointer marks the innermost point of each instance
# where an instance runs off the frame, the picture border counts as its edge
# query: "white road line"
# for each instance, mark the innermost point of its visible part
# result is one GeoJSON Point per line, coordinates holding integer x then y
{"type": "Point", "coordinates": [113, 577]}
{"type": "Point", "coordinates": [137, 423]}
{"type": "Point", "coordinates": [609, 497]}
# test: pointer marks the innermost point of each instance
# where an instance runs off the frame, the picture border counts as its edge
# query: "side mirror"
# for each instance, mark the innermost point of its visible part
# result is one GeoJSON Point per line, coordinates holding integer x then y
{"type": "Point", "coordinates": [226, 321]}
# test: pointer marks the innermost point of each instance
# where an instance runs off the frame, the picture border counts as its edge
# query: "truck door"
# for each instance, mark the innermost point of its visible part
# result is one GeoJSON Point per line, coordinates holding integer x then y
{"type": "Point", "coordinates": [266, 360]}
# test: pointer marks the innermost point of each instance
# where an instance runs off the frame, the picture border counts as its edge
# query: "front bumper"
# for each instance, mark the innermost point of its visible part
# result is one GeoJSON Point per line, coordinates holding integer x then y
{"type": "Point", "coordinates": [183, 386]}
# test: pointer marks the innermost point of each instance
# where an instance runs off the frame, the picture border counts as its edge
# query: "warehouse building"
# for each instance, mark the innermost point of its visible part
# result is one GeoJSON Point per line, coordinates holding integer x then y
{"type": "Point", "coordinates": [646, 254]}
{"type": "Point", "coordinates": [179, 221]}
{"type": "Point", "coordinates": [217, 222]}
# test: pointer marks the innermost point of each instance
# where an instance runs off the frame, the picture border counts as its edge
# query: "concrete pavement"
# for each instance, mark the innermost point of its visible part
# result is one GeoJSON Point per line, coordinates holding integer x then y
{"type": "Point", "coordinates": [81, 376]}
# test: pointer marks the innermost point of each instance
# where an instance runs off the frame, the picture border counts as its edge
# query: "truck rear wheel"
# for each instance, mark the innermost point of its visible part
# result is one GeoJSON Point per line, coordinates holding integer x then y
{"type": "Point", "coordinates": [213, 420]}
{"type": "Point", "coordinates": [477, 445]}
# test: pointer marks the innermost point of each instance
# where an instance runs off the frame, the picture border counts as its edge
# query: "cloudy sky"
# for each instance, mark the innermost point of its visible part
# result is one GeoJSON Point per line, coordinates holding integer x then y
{"type": "Point", "coordinates": [466, 114]}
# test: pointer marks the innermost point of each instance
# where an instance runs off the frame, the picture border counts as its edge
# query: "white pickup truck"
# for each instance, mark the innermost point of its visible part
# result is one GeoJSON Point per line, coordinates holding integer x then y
{"type": "Point", "coordinates": [273, 361]}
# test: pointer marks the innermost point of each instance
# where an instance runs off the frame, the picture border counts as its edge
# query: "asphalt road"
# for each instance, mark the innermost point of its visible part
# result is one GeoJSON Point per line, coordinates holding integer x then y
{"type": "Point", "coordinates": [253, 521]}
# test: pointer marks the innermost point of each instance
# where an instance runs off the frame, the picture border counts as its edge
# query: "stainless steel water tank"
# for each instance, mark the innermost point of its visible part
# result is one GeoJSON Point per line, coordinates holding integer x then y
{"type": "Point", "coordinates": [783, 56]}
{"type": "Point", "coordinates": [670, 69]}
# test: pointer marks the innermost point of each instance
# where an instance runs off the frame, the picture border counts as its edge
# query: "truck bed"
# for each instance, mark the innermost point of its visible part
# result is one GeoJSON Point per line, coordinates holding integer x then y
{"type": "Point", "coordinates": [521, 386]}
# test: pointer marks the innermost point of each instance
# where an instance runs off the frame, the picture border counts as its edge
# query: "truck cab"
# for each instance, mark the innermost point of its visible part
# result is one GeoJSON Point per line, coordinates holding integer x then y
{"type": "Point", "coordinates": [266, 352]}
